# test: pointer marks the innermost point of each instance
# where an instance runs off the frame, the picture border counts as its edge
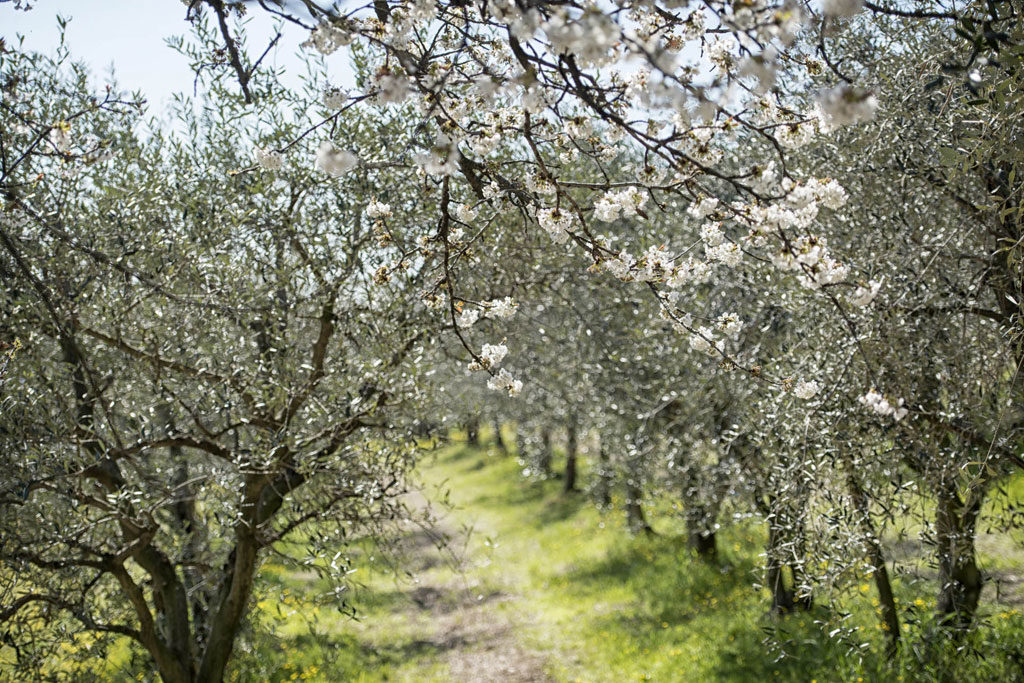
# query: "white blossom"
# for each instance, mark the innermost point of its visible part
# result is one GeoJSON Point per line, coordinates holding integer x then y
{"type": "Point", "coordinates": [702, 341]}
{"type": "Point", "coordinates": [703, 207]}
{"type": "Point", "coordinates": [556, 222]}
{"type": "Point", "coordinates": [711, 234]}
{"type": "Point", "coordinates": [465, 212]}
{"type": "Point", "coordinates": [806, 389]}
{"type": "Point", "coordinates": [730, 324]}
{"type": "Point", "coordinates": [606, 210]}
{"type": "Point", "coordinates": [334, 161]}
{"type": "Point", "coordinates": [726, 253]}
{"type": "Point", "coordinates": [690, 271]}
{"type": "Point", "coordinates": [540, 185]}
{"type": "Point", "coordinates": [505, 381]}
{"type": "Point", "coordinates": [468, 317]}
{"type": "Point", "coordinates": [865, 294]}
{"type": "Point", "coordinates": [842, 8]}
{"type": "Point", "coordinates": [881, 405]}
{"type": "Point", "coordinates": [327, 38]}
{"type": "Point", "coordinates": [392, 89]}
{"type": "Point", "coordinates": [847, 104]}
{"type": "Point", "coordinates": [492, 354]}
{"type": "Point", "coordinates": [268, 159]}
{"type": "Point", "coordinates": [501, 308]}
{"type": "Point", "coordinates": [376, 209]}
{"type": "Point", "coordinates": [335, 98]}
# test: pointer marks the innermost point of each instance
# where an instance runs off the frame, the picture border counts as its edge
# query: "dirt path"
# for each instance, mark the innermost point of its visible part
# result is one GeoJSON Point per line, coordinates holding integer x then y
{"type": "Point", "coordinates": [472, 628]}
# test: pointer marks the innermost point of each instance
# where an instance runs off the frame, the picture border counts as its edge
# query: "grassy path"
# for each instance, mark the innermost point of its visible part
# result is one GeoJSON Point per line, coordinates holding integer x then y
{"type": "Point", "coordinates": [536, 585]}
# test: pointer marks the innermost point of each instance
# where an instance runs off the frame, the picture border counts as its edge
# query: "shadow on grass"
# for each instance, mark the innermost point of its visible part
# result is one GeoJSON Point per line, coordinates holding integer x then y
{"type": "Point", "coordinates": [680, 601]}
{"type": "Point", "coordinates": [336, 656]}
{"type": "Point", "coordinates": [670, 584]}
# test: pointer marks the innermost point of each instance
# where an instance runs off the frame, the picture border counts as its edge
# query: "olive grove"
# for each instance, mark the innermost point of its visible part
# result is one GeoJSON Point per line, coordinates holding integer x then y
{"type": "Point", "coordinates": [758, 259]}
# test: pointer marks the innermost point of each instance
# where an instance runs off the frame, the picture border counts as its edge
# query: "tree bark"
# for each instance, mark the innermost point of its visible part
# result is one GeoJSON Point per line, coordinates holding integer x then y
{"type": "Point", "coordinates": [960, 579]}
{"type": "Point", "coordinates": [473, 432]}
{"type": "Point", "coordinates": [782, 596]}
{"type": "Point", "coordinates": [544, 457]}
{"type": "Point", "coordinates": [700, 532]}
{"type": "Point", "coordinates": [571, 451]}
{"type": "Point", "coordinates": [499, 440]}
{"type": "Point", "coordinates": [704, 543]}
{"type": "Point", "coordinates": [781, 531]}
{"type": "Point", "coordinates": [604, 477]}
{"type": "Point", "coordinates": [876, 557]}
{"type": "Point", "coordinates": [635, 519]}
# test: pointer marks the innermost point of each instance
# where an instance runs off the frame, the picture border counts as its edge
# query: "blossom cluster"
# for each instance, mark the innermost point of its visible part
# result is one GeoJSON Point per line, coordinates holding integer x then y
{"type": "Point", "coordinates": [500, 115]}
{"type": "Point", "coordinates": [502, 309]}
{"type": "Point", "coordinates": [881, 405]}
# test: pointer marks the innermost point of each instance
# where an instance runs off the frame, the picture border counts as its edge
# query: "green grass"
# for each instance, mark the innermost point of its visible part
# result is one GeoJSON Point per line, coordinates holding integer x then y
{"type": "Point", "coordinates": [548, 581]}
{"type": "Point", "coordinates": [589, 602]}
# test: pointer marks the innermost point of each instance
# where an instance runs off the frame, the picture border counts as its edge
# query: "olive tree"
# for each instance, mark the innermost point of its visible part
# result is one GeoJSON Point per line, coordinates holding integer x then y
{"type": "Point", "coordinates": [210, 362]}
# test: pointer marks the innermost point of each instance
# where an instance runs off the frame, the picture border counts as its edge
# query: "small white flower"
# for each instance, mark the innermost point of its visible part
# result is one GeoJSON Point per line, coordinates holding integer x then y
{"type": "Point", "coordinates": [492, 354]}
{"type": "Point", "coordinates": [842, 8]}
{"type": "Point", "coordinates": [864, 295]}
{"type": "Point", "coordinates": [730, 324]}
{"type": "Point", "coordinates": [375, 210]}
{"type": "Point", "coordinates": [327, 38]}
{"type": "Point", "coordinates": [703, 207]}
{"type": "Point", "coordinates": [334, 161]}
{"type": "Point", "coordinates": [699, 342]}
{"type": "Point", "coordinates": [442, 159]}
{"type": "Point", "coordinates": [831, 194]}
{"type": "Point", "coordinates": [505, 380]}
{"type": "Point", "coordinates": [268, 159]}
{"type": "Point", "coordinates": [392, 88]}
{"type": "Point", "coordinates": [606, 210]}
{"type": "Point", "coordinates": [540, 185]}
{"type": "Point", "coordinates": [882, 406]}
{"type": "Point", "coordinates": [491, 190]}
{"type": "Point", "coordinates": [335, 98]}
{"type": "Point", "coordinates": [502, 308]}
{"type": "Point", "coordinates": [465, 213]}
{"type": "Point", "coordinates": [847, 104]}
{"type": "Point", "coordinates": [556, 222]}
{"type": "Point", "coordinates": [807, 390]}
{"type": "Point", "coordinates": [468, 317]}
{"type": "Point", "coordinates": [726, 253]}
{"type": "Point", "coordinates": [711, 234]}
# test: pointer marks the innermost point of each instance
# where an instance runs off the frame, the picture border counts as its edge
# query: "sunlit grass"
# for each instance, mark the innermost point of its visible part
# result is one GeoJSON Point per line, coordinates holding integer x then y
{"type": "Point", "coordinates": [600, 605]}
{"type": "Point", "coordinates": [587, 601]}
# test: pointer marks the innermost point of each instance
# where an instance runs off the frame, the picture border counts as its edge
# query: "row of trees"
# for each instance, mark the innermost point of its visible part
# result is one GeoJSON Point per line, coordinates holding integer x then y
{"type": "Point", "coordinates": [650, 221]}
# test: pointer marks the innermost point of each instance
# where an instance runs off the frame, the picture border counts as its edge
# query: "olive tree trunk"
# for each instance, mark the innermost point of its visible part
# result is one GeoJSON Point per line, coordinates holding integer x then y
{"type": "Point", "coordinates": [960, 579]}
{"type": "Point", "coordinates": [544, 457]}
{"type": "Point", "coordinates": [499, 440]}
{"type": "Point", "coordinates": [876, 558]}
{"type": "Point", "coordinates": [700, 532]}
{"type": "Point", "coordinates": [571, 454]}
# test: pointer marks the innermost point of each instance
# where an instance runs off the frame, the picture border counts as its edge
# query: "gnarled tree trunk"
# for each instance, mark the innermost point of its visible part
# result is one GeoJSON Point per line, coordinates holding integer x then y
{"type": "Point", "coordinates": [544, 457]}
{"type": "Point", "coordinates": [571, 453]}
{"type": "Point", "coordinates": [635, 518]}
{"type": "Point", "coordinates": [960, 579]}
{"type": "Point", "coordinates": [700, 532]}
{"type": "Point", "coordinates": [499, 440]}
{"type": "Point", "coordinates": [473, 432]}
{"type": "Point", "coordinates": [876, 557]}
{"type": "Point", "coordinates": [604, 477]}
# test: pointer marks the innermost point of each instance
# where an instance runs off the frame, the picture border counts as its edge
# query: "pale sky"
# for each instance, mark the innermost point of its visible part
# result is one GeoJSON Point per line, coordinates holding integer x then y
{"type": "Point", "coordinates": [130, 34]}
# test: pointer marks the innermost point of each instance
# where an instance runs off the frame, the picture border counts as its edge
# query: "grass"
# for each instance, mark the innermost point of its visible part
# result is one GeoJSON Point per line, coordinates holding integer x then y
{"type": "Point", "coordinates": [552, 586]}
{"type": "Point", "coordinates": [589, 602]}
